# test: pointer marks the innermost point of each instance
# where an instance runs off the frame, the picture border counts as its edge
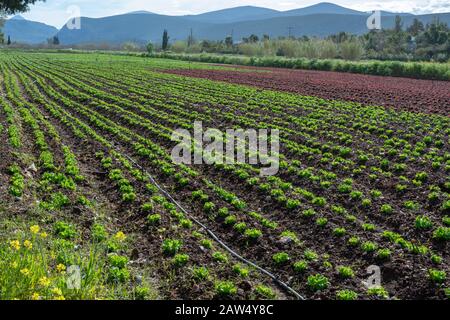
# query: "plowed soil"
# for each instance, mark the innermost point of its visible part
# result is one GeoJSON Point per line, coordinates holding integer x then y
{"type": "Point", "coordinates": [426, 96]}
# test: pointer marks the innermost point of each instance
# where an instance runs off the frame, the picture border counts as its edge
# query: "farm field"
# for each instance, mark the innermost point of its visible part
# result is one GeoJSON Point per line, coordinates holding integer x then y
{"type": "Point", "coordinates": [424, 96]}
{"type": "Point", "coordinates": [358, 186]}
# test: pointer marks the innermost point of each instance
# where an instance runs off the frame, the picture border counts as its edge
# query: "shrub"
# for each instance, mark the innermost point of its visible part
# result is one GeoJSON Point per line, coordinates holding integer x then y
{"type": "Point", "coordinates": [280, 258]}
{"type": "Point", "coordinates": [154, 219]}
{"type": "Point", "coordinates": [300, 266]}
{"type": "Point", "coordinates": [265, 292]}
{"type": "Point", "coordinates": [99, 233]}
{"type": "Point", "coordinates": [310, 255]}
{"type": "Point", "coordinates": [386, 209]}
{"type": "Point", "coordinates": [171, 247]}
{"type": "Point", "coordinates": [241, 271]}
{"type": "Point", "coordinates": [147, 207]}
{"type": "Point", "coordinates": [369, 246]}
{"type": "Point", "coordinates": [339, 232]}
{"type": "Point", "coordinates": [378, 292]}
{"type": "Point", "coordinates": [220, 257]}
{"type": "Point", "coordinates": [225, 288]}
{"type": "Point", "coordinates": [423, 223]}
{"type": "Point", "coordinates": [322, 222]}
{"type": "Point", "coordinates": [345, 272]}
{"type": "Point", "coordinates": [384, 254]}
{"type": "Point", "coordinates": [442, 234]}
{"type": "Point", "coordinates": [253, 233]}
{"type": "Point", "coordinates": [180, 260]}
{"type": "Point", "coordinates": [118, 261]}
{"type": "Point", "coordinates": [200, 273]}
{"type": "Point", "coordinates": [437, 276]}
{"type": "Point", "coordinates": [346, 295]}
{"type": "Point", "coordinates": [65, 230]}
{"type": "Point", "coordinates": [317, 282]}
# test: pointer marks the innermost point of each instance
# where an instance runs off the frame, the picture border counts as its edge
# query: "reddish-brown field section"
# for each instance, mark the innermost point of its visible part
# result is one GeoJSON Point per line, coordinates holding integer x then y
{"type": "Point", "coordinates": [415, 95]}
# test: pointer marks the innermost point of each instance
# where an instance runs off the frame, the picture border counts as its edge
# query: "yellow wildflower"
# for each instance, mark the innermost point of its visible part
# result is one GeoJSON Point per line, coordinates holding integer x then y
{"type": "Point", "coordinates": [44, 281]}
{"type": "Point", "coordinates": [14, 265]}
{"type": "Point", "coordinates": [15, 244]}
{"type": "Point", "coordinates": [60, 298]}
{"type": "Point", "coordinates": [27, 244]}
{"type": "Point", "coordinates": [35, 296]}
{"type": "Point", "coordinates": [57, 291]}
{"type": "Point", "coordinates": [35, 229]}
{"type": "Point", "coordinates": [43, 235]}
{"type": "Point", "coordinates": [25, 272]}
{"type": "Point", "coordinates": [61, 268]}
{"type": "Point", "coordinates": [120, 236]}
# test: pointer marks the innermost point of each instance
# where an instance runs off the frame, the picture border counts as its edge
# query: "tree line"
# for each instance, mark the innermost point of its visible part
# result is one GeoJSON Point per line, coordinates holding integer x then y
{"type": "Point", "coordinates": [429, 42]}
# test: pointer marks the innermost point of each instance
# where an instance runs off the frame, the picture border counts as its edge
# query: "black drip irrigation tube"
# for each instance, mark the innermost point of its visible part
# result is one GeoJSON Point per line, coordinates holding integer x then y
{"type": "Point", "coordinates": [215, 237]}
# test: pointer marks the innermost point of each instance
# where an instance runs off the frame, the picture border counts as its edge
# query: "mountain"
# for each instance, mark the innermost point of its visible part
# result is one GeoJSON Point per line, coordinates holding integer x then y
{"type": "Point", "coordinates": [18, 17]}
{"type": "Point", "coordinates": [320, 25]}
{"type": "Point", "coordinates": [320, 20]}
{"type": "Point", "coordinates": [140, 28]}
{"type": "Point", "coordinates": [234, 15]}
{"type": "Point", "coordinates": [322, 8]}
{"type": "Point", "coordinates": [24, 31]}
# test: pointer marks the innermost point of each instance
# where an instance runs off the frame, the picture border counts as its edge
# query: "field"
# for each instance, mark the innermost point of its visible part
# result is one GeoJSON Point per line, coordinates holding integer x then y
{"type": "Point", "coordinates": [422, 96]}
{"type": "Point", "coordinates": [87, 141]}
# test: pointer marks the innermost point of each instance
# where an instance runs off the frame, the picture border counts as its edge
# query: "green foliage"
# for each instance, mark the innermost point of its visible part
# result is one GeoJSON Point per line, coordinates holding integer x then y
{"type": "Point", "coordinates": [423, 223]}
{"type": "Point", "coordinates": [241, 271]}
{"type": "Point", "coordinates": [171, 246]}
{"type": "Point", "coordinates": [225, 289]}
{"type": "Point", "coordinates": [280, 258]}
{"type": "Point", "coordinates": [300, 266]}
{"type": "Point", "coordinates": [346, 295]}
{"type": "Point", "coordinates": [317, 282]}
{"type": "Point", "coordinates": [153, 219]}
{"type": "Point", "coordinates": [345, 272]}
{"type": "Point", "coordinates": [200, 273]}
{"type": "Point", "coordinates": [65, 230]}
{"type": "Point", "coordinates": [437, 276]}
{"type": "Point", "coordinates": [265, 292]}
{"type": "Point", "coordinates": [180, 260]}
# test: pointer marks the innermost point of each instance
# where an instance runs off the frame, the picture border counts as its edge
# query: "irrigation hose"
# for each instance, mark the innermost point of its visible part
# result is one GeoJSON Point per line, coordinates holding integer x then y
{"type": "Point", "coordinates": [214, 236]}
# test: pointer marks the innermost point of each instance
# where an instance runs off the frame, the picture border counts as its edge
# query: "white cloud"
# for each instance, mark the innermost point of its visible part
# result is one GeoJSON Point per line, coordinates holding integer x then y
{"type": "Point", "coordinates": [54, 11]}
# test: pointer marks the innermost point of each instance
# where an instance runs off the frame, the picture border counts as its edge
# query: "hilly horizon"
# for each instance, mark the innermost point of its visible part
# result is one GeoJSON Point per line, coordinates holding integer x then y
{"type": "Point", "coordinates": [318, 20]}
{"type": "Point", "coordinates": [25, 31]}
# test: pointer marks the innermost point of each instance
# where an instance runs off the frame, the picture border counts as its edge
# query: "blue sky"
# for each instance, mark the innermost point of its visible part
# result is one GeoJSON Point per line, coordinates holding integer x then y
{"type": "Point", "coordinates": [55, 12]}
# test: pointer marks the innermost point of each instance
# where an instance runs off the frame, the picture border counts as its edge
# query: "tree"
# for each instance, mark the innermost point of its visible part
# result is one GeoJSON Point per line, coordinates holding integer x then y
{"type": "Point", "coordinates": [253, 38]}
{"type": "Point", "coordinates": [398, 24]}
{"type": "Point", "coordinates": [229, 41]}
{"type": "Point", "coordinates": [150, 48]}
{"type": "Point", "coordinates": [9, 41]}
{"type": "Point", "coordinates": [15, 6]}
{"type": "Point", "coordinates": [340, 37]}
{"type": "Point", "coordinates": [397, 40]}
{"type": "Point", "coordinates": [55, 41]}
{"type": "Point", "coordinates": [2, 39]}
{"type": "Point", "coordinates": [11, 7]}
{"type": "Point", "coordinates": [436, 34]}
{"type": "Point", "coordinates": [165, 40]}
{"type": "Point", "coordinates": [190, 40]}
{"type": "Point", "coordinates": [415, 28]}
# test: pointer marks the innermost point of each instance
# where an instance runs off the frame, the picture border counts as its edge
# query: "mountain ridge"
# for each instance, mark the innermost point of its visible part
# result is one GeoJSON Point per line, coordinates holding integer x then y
{"type": "Point", "coordinates": [320, 20]}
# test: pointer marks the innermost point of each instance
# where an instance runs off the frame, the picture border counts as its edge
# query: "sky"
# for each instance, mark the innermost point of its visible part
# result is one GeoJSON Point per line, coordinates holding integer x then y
{"type": "Point", "coordinates": [58, 12]}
